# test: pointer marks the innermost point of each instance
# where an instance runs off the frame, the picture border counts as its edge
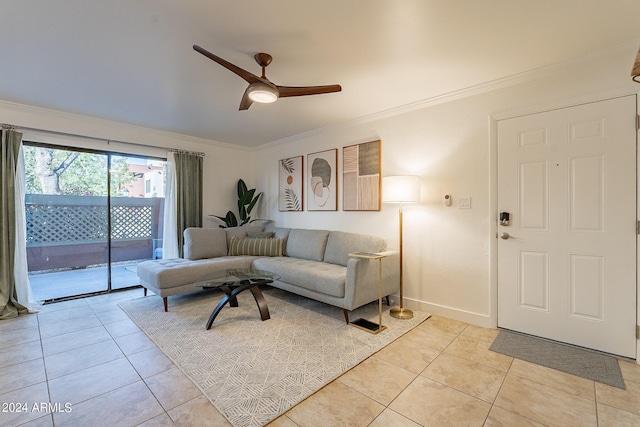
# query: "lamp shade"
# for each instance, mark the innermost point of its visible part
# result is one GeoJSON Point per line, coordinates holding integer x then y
{"type": "Point", "coordinates": [401, 189]}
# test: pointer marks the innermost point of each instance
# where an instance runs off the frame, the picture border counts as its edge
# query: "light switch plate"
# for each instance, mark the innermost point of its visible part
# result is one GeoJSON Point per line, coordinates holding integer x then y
{"type": "Point", "coordinates": [464, 203]}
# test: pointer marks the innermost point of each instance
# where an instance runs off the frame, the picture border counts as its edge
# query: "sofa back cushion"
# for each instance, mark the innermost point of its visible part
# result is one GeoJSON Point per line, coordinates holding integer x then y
{"type": "Point", "coordinates": [260, 234]}
{"type": "Point", "coordinates": [280, 233]}
{"type": "Point", "coordinates": [307, 244]}
{"type": "Point", "coordinates": [202, 243]}
{"type": "Point", "coordinates": [341, 244]}
{"type": "Point", "coordinates": [240, 231]}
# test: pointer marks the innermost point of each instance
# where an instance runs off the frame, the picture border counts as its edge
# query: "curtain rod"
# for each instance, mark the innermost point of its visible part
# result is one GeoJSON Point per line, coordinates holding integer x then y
{"type": "Point", "coordinates": [193, 153]}
{"type": "Point", "coordinates": [108, 141]}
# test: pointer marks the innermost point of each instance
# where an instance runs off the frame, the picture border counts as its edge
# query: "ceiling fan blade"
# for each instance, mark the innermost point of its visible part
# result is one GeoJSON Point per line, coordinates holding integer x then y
{"type": "Point", "coordinates": [635, 72]}
{"type": "Point", "coordinates": [249, 77]}
{"type": "Point", "coordinates": [246, 102]}
{"type": "Point", "coordinates": [286, 91]}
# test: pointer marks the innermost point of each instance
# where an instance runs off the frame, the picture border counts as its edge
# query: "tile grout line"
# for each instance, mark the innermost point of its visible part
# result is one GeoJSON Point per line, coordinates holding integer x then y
{"type": "Point", "coordinates": [466, 332]}
{"type": "Point", "coordinates": [417, 375]}
{"type": "Point", "coordinates": [44, 365]}
{"type": "Point", "coordinates": [165, 411]}
{"type": "Point", "coordinates": [112, 339]}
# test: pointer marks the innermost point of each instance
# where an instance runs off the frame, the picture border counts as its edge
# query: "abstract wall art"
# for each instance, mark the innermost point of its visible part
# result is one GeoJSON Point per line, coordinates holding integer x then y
{"type": "Point", "coordinates": [322, 181]}
{"type": "Point", "coordinates": [290, 186]}
{"type": "Point", "coordinates": [361, 177]}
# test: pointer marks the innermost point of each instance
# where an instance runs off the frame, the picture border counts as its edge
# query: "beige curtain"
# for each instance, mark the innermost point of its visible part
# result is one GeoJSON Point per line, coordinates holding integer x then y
{"type": "Point", "coordinates": [170, 226]}
{"type": "Point", "coordinates": [188, 171]}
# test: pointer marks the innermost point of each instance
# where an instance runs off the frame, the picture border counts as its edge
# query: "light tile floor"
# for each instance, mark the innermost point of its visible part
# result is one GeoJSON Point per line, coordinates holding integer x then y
{"type": "Point", "coordinates": [84, 363]}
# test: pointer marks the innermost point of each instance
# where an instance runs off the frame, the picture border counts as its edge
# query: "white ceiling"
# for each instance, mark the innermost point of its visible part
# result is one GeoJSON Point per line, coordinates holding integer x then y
{"type": "Point", "coordinates": [132, 60]}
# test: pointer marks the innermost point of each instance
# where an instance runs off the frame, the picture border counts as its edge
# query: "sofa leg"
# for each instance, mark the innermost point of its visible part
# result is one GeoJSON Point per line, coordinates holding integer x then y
{"type": "Point", "coordinates": [145, 291]}
{"type": "Point", "coordinates": [388, 301]}
{"type": "Point", "coordinates": [165, 304]}
{"type": "Point", "coordinates": [346, 315]}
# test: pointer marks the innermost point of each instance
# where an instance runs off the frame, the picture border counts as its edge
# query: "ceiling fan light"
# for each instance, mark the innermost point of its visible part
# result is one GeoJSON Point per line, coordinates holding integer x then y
{"type": "Point", "coordinates": [262, 93]}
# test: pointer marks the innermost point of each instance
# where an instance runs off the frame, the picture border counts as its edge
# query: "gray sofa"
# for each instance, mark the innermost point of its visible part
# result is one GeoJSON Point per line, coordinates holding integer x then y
{"type": "Point", "coordinates": [314, 264]}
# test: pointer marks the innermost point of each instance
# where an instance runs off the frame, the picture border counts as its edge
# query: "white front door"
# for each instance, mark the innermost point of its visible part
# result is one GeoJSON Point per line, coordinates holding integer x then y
{"type": "Point", "coordinates": [567, 258]}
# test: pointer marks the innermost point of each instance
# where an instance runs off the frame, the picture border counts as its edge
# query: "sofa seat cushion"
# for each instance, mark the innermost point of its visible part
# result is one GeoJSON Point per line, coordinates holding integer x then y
{"type": "Point", "coordinates": [169, 273]}
{"type": "Point", "coordinates": [313, 275]}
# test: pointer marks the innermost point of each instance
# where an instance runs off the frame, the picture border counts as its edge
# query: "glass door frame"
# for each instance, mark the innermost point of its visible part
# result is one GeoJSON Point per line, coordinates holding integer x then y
{"type": "Point", "coordinates": [109, 207]}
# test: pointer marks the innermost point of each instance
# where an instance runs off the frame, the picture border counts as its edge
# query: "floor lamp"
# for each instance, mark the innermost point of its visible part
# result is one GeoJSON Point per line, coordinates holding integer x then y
{"type": "Point", "coordinates": [401, 189]}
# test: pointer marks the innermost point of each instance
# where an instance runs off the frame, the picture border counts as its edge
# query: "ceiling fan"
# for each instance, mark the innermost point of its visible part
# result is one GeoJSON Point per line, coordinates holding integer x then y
{"type": "Point", "coordinates": [260, 89]}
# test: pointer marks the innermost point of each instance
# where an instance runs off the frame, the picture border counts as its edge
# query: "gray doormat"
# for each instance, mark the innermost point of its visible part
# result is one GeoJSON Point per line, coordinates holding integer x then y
{"type": "Point", "coordinates": [577, 361]}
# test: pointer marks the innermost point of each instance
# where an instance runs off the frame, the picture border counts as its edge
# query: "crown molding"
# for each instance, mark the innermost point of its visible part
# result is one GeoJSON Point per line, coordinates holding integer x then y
{"type": "Point", "coordinates": [504, 82]}
{"type": "Point", "coordinates": [60, 122]}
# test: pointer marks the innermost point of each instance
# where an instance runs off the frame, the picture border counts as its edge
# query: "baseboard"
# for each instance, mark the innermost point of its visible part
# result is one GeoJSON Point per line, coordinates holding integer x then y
{"type": "Point", "coordinates": [477, 319]}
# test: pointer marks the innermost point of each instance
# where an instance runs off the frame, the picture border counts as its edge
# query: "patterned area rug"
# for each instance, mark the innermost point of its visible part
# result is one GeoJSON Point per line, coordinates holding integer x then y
{"type": "Point", "coordinates": [251, 370]}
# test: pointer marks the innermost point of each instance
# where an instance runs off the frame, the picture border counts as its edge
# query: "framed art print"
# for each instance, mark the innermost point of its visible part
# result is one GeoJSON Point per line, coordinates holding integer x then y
{"type": "Point", "coordinates": [290, 186]}
{"type": "Point", "coordinates": [361, 177]}
{"type": "Point", "coordinates": [321, 182]}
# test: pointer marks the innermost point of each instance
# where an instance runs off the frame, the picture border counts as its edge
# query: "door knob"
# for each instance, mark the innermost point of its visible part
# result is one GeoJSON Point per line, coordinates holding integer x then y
{"type": "Point", "coordinates": [504, 236]}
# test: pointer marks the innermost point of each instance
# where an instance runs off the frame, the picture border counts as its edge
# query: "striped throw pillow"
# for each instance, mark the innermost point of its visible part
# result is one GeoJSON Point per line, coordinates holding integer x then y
{"type": "Point", "coordinates": [256, 246]}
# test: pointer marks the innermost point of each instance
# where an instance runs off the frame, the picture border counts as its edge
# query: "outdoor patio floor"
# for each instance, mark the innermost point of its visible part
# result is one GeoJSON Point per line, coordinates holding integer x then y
{"type": "Point", "coordinates": [61, 284]}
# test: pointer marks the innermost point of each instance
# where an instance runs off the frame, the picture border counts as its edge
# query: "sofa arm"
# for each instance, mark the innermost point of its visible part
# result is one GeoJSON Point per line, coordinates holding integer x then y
{"type": "Point", "coordinates": [362, 281]}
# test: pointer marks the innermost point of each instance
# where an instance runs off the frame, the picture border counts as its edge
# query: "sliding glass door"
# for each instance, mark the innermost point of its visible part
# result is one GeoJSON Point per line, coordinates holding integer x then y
{"type": "Point", "coordinates": [137, 208]}
{"type": "Point", "coordinates": [90, 219]}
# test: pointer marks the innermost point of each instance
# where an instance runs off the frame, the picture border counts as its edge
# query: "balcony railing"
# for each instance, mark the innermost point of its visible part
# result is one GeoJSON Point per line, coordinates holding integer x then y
{"type": "Point", "coordinates": [72, 231]}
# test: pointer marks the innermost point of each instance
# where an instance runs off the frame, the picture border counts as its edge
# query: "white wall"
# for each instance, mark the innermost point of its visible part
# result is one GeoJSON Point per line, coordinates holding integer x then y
{"type": "Point", "coordinates": [224, 164]}
{"type": "Point", "coordinates": [448, 251]}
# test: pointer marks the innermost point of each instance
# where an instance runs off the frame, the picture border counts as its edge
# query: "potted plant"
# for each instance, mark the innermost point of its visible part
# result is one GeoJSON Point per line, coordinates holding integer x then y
{"type": "Point", "coordinates": [247, 199]}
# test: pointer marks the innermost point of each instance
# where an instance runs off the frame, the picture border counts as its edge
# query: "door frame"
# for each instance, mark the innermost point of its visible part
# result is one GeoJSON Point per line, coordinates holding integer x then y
{"type": "Point", "coordinates": [493, 189]}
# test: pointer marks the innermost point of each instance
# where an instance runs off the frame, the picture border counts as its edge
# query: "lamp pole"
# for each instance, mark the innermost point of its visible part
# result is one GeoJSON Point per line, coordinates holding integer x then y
{"type": "Point", "coordinates": [401, 189]}
{"type": "Point", "coordinates": [401, 312]}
